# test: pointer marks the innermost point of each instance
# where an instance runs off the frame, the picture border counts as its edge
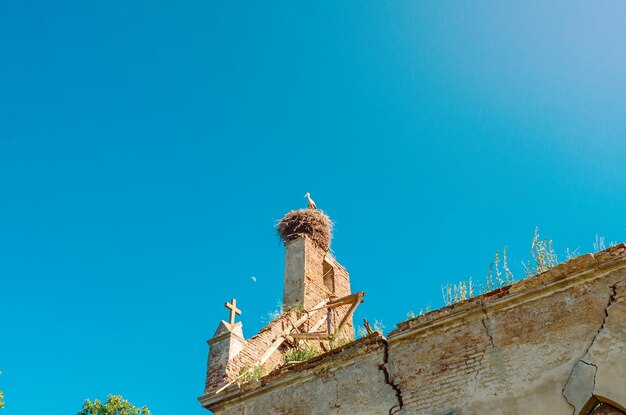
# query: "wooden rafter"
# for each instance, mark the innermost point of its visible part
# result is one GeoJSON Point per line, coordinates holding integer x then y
{"type": "Point", "coordinates": [348, 299]}
{"type": "Point", "coordinates": [367, 326]}
{"type": "Point", "coordinates": [281, 338]}
{"type": "Point", "coordinates": [319, 335]}
{"type": "Point", "coordinates": [313, 334]}
{"type": "Point", "coordinates": [358, 297]}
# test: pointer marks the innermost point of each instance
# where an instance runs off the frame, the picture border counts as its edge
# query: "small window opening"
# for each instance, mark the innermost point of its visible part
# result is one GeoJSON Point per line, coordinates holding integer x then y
{"type": "Point", "coordinates": [329, 276]}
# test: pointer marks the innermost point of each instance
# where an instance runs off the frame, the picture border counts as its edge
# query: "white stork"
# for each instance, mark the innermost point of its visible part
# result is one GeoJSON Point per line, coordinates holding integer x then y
{"type": "Point", "coordinates": [311, 202]}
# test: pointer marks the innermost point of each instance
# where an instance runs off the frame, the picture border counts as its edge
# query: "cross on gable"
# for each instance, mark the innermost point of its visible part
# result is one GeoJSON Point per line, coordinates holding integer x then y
{"type": "Point", "coordinates": [232, 306]}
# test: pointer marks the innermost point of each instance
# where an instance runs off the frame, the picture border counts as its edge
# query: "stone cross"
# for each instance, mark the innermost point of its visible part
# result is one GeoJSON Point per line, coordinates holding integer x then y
{"type": "Point", "coordinates": [232, 306]}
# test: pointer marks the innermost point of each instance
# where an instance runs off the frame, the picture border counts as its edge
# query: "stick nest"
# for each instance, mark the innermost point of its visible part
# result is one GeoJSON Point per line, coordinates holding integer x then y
{"type": "Point", "coordinates": [312, 222]}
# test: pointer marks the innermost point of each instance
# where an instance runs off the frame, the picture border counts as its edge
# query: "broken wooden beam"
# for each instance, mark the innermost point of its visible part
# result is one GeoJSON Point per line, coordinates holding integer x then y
{"type": "Point", "coordinates": [319, 335]}
{"type": "Point", "coordinates": [281, 338]}
{"type": "Point", "coordinates": [348, 299]}
{"type": "Point", "coordinates": [356, 301]}
{"type": "Point", "coordinates": [367, 326]}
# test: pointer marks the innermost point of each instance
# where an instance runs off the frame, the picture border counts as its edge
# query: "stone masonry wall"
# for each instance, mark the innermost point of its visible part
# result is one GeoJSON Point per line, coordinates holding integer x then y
{"type": "Point", "coordinates": [550, 344]}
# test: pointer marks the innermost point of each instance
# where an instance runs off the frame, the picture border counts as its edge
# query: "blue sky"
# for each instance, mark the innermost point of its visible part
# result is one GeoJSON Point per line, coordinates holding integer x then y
{"type": "Point", "coordinates": [147, 148]}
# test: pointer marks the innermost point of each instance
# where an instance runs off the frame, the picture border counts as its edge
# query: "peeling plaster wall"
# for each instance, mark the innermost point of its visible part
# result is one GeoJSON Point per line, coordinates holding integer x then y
{"type": "Point", "coordinates": [601, 371]}
{"type": "Point", "coordinates": [512, 360]}
{"type": "Point", "coordinates": [351, 383]}
{"type": "Point", "coordinates": [544, 345]}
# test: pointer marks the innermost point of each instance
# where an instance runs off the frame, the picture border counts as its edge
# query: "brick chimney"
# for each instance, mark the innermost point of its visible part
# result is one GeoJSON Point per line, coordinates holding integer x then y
{"type": "Point", "coordinates": [224, 346]}
{"type": "Point", "coordinates": [313, 275]}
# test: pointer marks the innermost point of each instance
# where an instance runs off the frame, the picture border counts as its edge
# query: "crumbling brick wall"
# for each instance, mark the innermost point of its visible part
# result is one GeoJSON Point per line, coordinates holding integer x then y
{"type": "Point", "coordinates": [319, 386]}
{"type": "Point", "coordinates": [511, 353]}
{"type": "Point", "coordinates": [551, 344]}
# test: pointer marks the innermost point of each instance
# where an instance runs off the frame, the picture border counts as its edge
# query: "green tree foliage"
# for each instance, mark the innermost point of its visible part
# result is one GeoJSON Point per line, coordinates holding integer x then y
{"type": "Point", "coordinates": [115, 405]}
{"type": "Point", "coordinates": [1, 398]}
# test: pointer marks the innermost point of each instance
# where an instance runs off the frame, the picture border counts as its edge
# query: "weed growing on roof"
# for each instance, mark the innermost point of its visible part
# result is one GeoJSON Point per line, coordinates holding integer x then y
{"type": "Point", "coordinates": [250, 373]}
{"type": "Point", "coordinates": [377, 326]}
{"type": "Point", "coordinates": [543, 254]}
{"type": "Point", "coordinates": [300, 353]}
{"type": "Point", "coordinates": [571, 253]}
{"type": "Point", "coordinates": [454, 293]}
{"type": "Point", "coordinates": [273, 315]}
{"type": "Point", "coordinates": [499, 273]}
{"type": "Point", "coordinates": [339, 341]}
{"type": "Point", "coordinates": [297, 307]}
{"type": "Point", "coordinates": [543, 258]}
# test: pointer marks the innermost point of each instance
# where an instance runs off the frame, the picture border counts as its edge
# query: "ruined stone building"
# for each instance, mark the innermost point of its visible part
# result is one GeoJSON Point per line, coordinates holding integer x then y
{"type": "Point", "coordinates": [551, 344]}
